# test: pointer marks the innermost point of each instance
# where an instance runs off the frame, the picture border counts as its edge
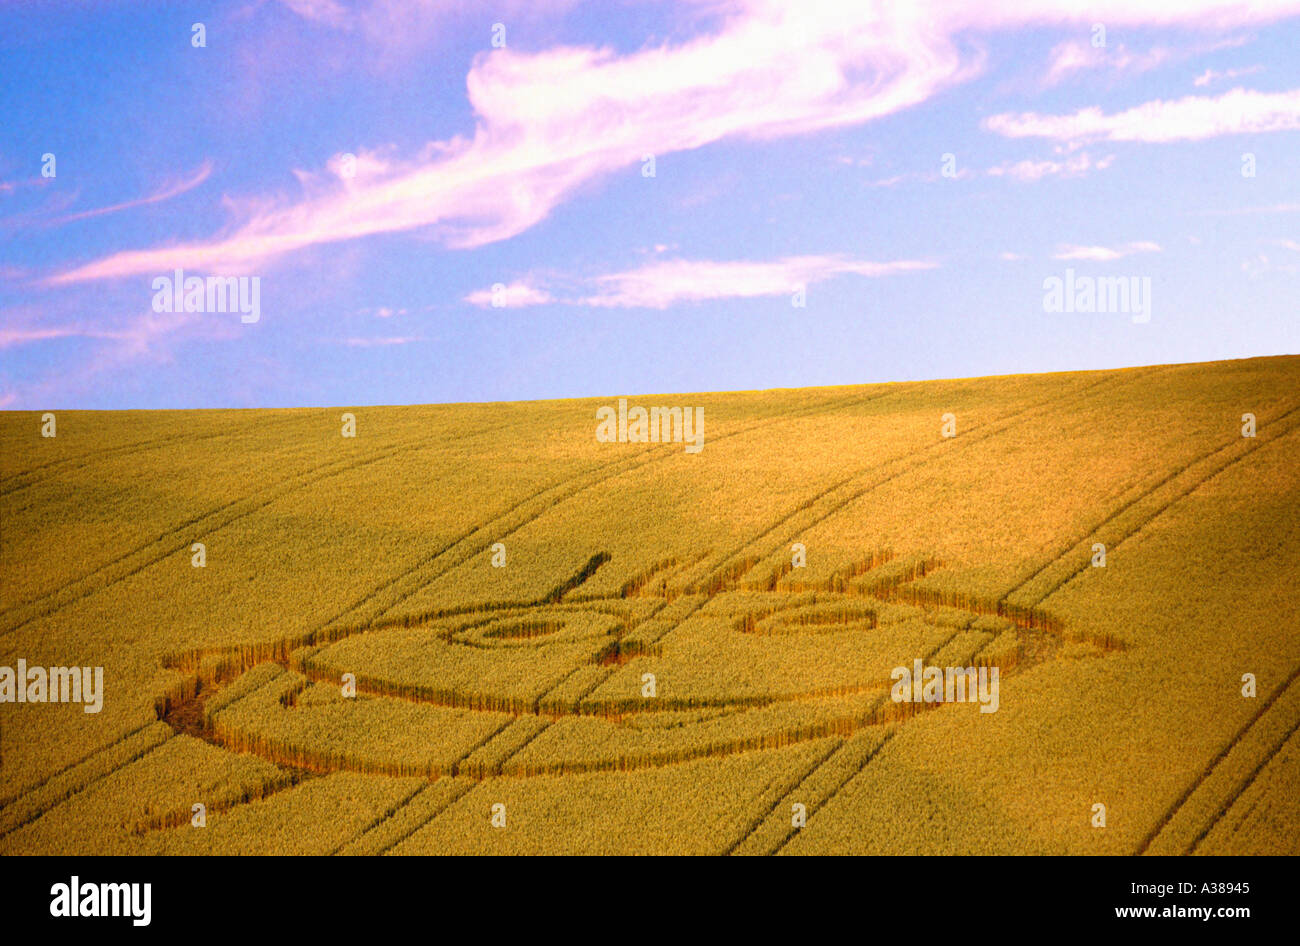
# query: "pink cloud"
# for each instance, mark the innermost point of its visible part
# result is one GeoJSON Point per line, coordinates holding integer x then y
{"type": "Point", "coordinates": [550, 122]}
{"type": "Point", "coordinates": [166, 192]}
{"type": "Point", "coordinates": [146, 338]}
{"type": "Point", "coordinates": [1192, 14]}
{"type": "Point", "coordinates": [381, 342]}
{"type": "Point", "coordinates": [1080, 55]}
{"type": "Point", "coordinates": [11, 337]}
{"type": "Point", "coordinates": [400, 26]}
{"type": "Point", "coordinates": [41, 215]}
{"type": "Point", "coordinates": [327, 12]}
{"type": "Point", "coordinates": [8, 187]}
{"type": "Point", "coordinates": [137, 336]}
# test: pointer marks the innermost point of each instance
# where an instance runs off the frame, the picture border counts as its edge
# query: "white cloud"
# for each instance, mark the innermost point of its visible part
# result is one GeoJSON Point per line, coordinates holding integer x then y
{"type": "Point", "coordinates": [1101, 254]}
{"type": "Point", "coordinates": [1074, 166]}
{"type": "Point", "coordinates": [1261, 265]}
{"type": "Point", "coordinates": [662, 284]}
{"type": "Point", "coordinates": [1210, 75]}
{"type": "Point", "coordinates": [516, 295]}
{"type": "Point", "coordinates": [1188, 119]}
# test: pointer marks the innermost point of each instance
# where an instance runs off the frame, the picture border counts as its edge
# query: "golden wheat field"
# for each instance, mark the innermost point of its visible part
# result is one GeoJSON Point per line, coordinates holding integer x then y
{"type": "Point", "coordinates": [479, 629]}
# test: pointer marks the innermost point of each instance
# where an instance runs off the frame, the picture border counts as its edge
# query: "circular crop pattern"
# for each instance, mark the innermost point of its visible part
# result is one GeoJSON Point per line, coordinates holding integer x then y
{"type": "Point", "coordinates": [645, 677]}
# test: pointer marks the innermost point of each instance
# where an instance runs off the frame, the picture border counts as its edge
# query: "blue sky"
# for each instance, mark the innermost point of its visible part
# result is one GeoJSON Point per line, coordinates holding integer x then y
{"type": "Point", "coordinates": [379, 167]}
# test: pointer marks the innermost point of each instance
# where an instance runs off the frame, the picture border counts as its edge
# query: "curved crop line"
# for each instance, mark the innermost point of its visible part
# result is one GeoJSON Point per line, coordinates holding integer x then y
{"type": "Point", "coordinates": [276, 489]}
{"type": "Point", "coordinates": [73, 792]}
{"type": "Point", "coordinates": [499, 767]}
{"type": "Point", "coordinates": [761, 819]}
{"type": "Point", "coordinates": [1228, 803]}
{"type": "Point", "coordinates": [507, 523]}
{"type": "Point", "coordinates": [427, 821]}
{"type": "Point", "coordinates": [21, 793]}
{"type": "Point", "coordinates": [603, 473]}
{"type": "Point", "coordinates": [254, 502]}
{"type": "Point", "coordinates": [80, 460]}
{"type": "Point", "coordinates": [880, 712]}
{"type": "Point", "coordinates": [918, 460]}
{"type": "Point", "coordinates": [938, 648]}
{"type": "Point", "coordinates": [1254, 445]}
{"type": "Point", "coordinates": [282, 781]}
{"type": "Point", "coordinates": [384, 817]}
{"type": "Point", "coordinates": [1216, 761]}
{"type": "Point", "coordinates": [606, 708]}
{"type": "Point", "coordinates": [836, 790]}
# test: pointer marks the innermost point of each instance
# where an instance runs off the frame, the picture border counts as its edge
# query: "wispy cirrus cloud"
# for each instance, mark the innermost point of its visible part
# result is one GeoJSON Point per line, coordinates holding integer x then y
{"type": "Point", "coordinates": [147, 338]}
{"type": "Point", "coordinates": [660, 285]}
{"type": "Point", "coordinates": [927, 177]}
{"type": "Point", "coordinates": [41, 215]}
{"type": "Point", "coordinates": [1073, 166]}
{"type": "Point", "coordinates": [166, 192]}
{"type": "Point", "coordinates": [11, 337]}
{"type": "Point", "coordinates": [1212, 75]}
{"type": "Point", "coordinates": [392, 34]}
{"type": "Point", "coordinates": [547, 123]}
{"type": "Point", "coordinates": [9, 187]}
{"type": "Point", "coordinates": [383, 341]}
{"type": "Point", "coordinates": [551, 121]}
{"type": "Point", "coordinates": [1192, 118]}
{"type": "Point", "coordinates": [467, 144]}
{"type": "Point", "coordinates": [382, 312]}
{"type": "Point", "coordinates": [1074, 56]}
{"type": "Point", "coordinates": [136, 337]}
{"type": "Point", "coordinates": [1102, 254]}
{"type": "Point", "coordinates": [665, 283]}
{"type": "Point", "coordinates": [385, 22]}
{"type": "Point", "coordinates": [328, 12]}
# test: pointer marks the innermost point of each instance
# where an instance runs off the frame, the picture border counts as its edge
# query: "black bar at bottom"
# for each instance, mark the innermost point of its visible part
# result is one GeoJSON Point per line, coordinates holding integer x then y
{"type": "Point", "coordinates": [304, 895]}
